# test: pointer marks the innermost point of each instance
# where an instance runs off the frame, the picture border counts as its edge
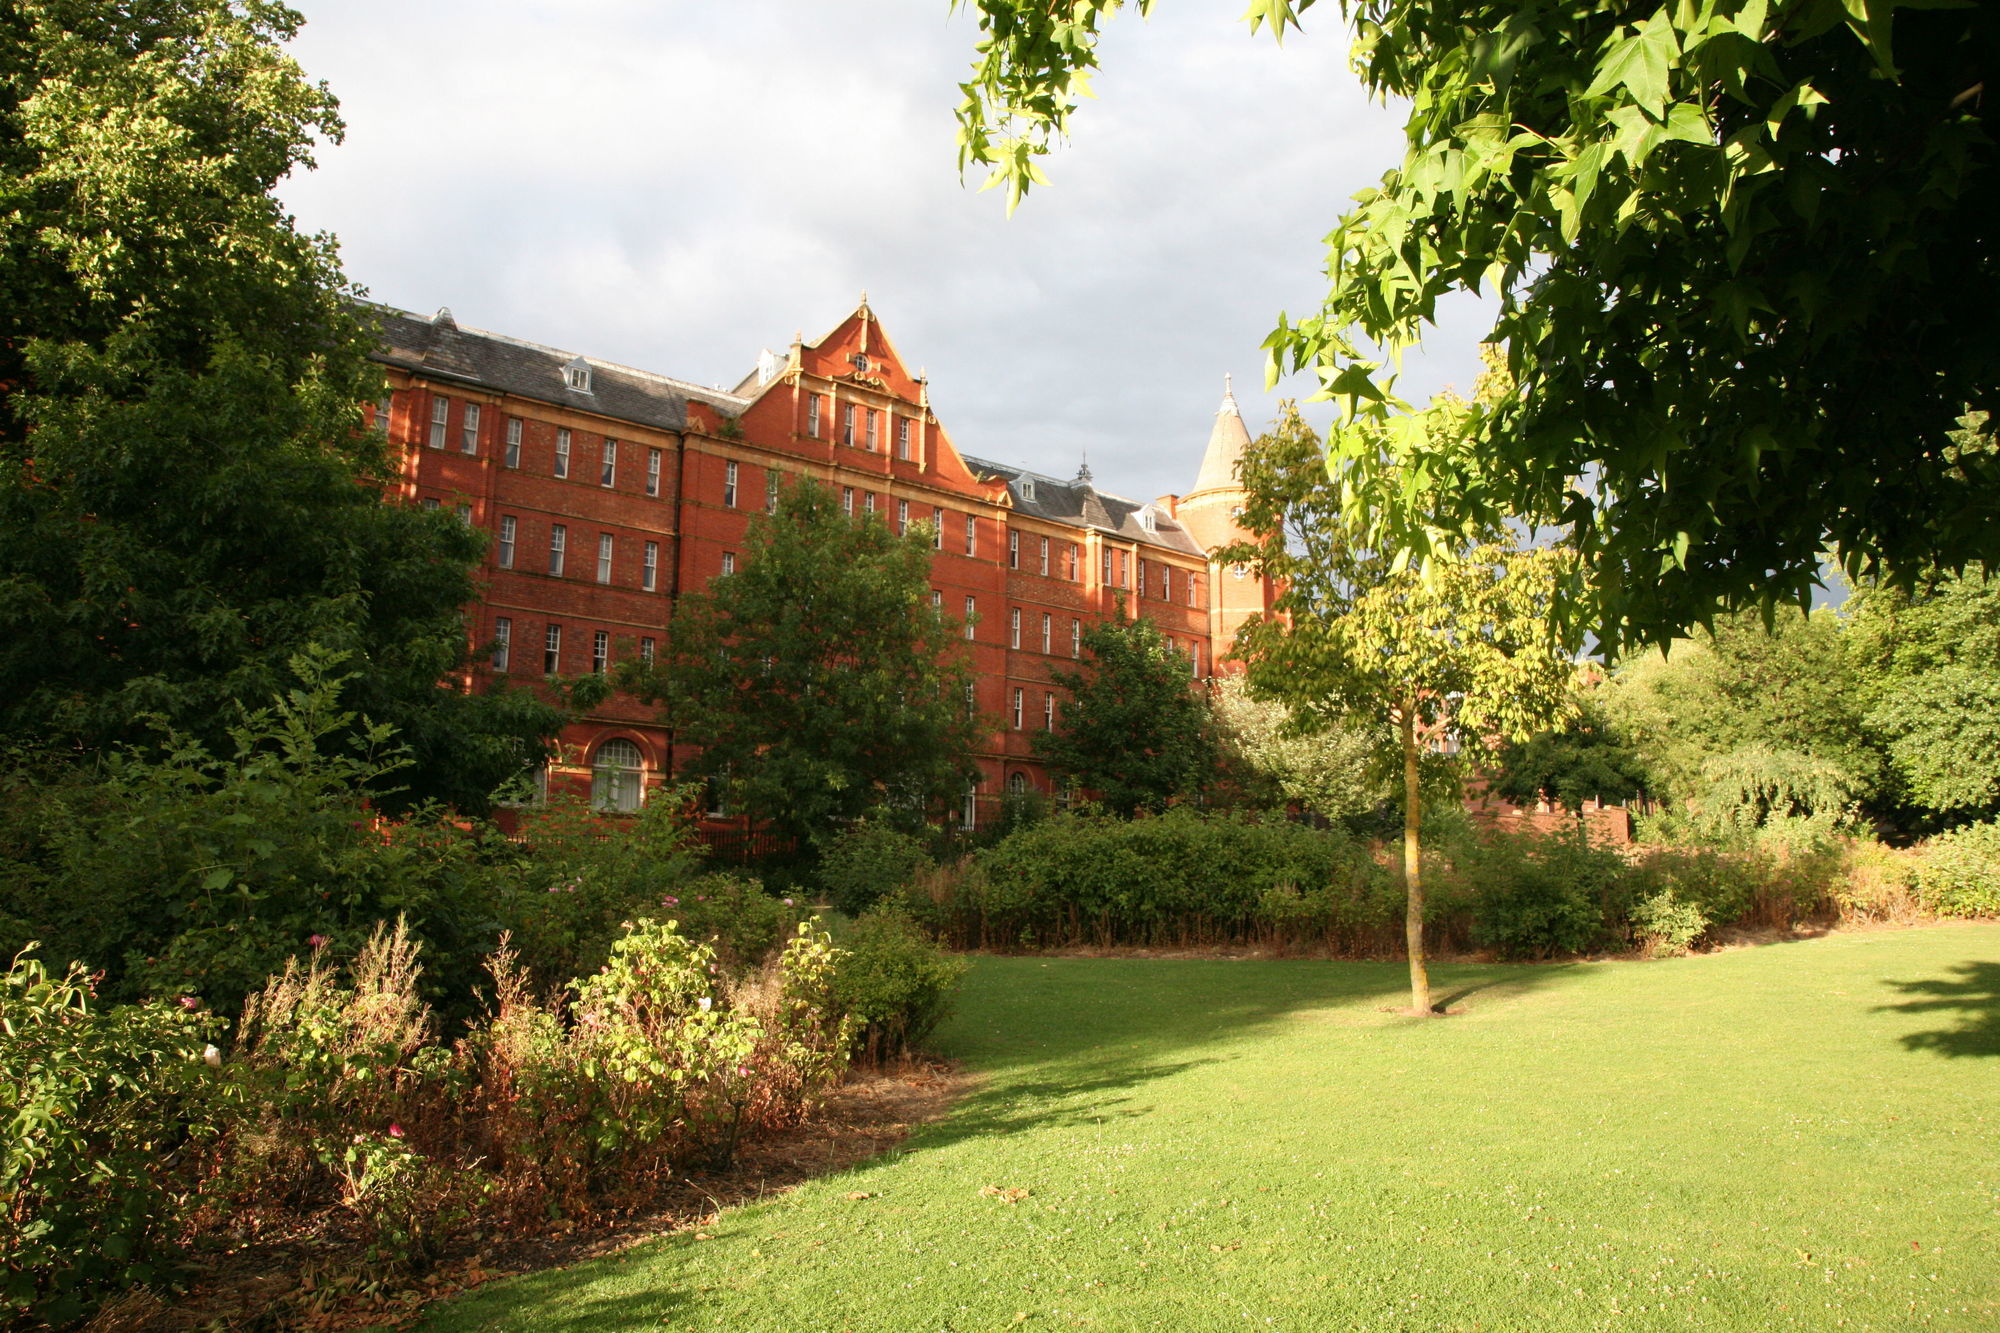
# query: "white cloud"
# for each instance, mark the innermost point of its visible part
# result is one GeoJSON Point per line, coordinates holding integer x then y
{"type": "Point", "coordinates": [676, 184]}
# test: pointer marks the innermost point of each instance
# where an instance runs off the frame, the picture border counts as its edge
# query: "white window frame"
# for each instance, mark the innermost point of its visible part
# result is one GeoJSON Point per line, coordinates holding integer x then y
{"type": "Point", "coordinates": [1048, 628]}
{"type": "Point", "coordinates": [652, 472]}
{"type": "Point", "coordinates": [1045, 557]}
{"type": "Point", "coordinates": [971, 615]}
{"type": "Point", "coordinates": [771, 490]}
{"type": "Point", "coordinates": [468, 430]}
{"type": "Point", "coordinates": [1076, 638]}
{"type": "Point", "coordinates": [552, 651]}
{"type": "Point", "coordinates": [510, 528]}
{"type": "Point", "coordinates": [937, 527]}
{"type": "Point", "coordinates": [729, 485]}
{"type": "Point", "coordinates": [847, 500]}
{"type": "Point", "coordinates": [1019, 694]}
{"type": "Point", "coordinates": [649, 571]}
{"type": "Point", "coordinates": [617, 787]}
{"type": "Point", "coordinates": [1048, 712]}
{"type": "Point", "coordinates": [812, 415]}
{"type": "Point", "coordinates": [558, 549]}
{"type": "Point", "coordinates": [562, 452]}
{"type": "Point", "coordinates": [513, 455]}
{"type": "Point", "coordinates": [440, 419]}
{"type": "Point", "coordinates": [873, 423]}
{"type": "Point", "coordinates": [1013, 549]}
{"type": "Point", "coordinates": [972, 534]}
{"type": "Point", "coordinates": [847, 424]}
{"type": "Point", "coordinates": [648, 646]}
{"type": "Point", "coordinates": [903, 438]}
{"type": "Point", "coordinates": [1014, 627]}
{"type": "Point", "coordinates": [503, 642]}
{"type": "Point", "coordinates": [729, 562]}
{"type": "Point", "coordinates": [384, 408]}
{"type": "Point", "coordinates": [607, 473]}
{"type": "Point", "coordinates": [607, 549]}
{"type": "Point", "coordinates": [600, 651]}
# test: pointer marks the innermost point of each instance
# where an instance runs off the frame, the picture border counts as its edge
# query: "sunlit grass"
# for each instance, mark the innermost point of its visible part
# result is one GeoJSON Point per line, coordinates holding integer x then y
{"type": "Point", "coordinates": [1799, 1136]}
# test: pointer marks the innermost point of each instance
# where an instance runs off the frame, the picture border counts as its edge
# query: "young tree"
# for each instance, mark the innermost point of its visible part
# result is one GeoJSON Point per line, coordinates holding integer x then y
{"type": "Point", "coordinates": [1461, 653]}
{"type": "Point", "coordinates": [187, 495]}
{"type": "Point", "coordinates": [1746, 263]}
{"type": "Point", "coordinates": [818, 681]}
{"type": "Point", "coordinates": [1134, 729]}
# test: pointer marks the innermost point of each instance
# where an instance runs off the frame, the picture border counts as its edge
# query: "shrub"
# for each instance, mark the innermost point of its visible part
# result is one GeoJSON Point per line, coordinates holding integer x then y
{"type": "Point", "coordinates": [894, 983]}
{"type": "Point", "coordinates": [1664, 925]}
{"type": "Point", "coordinates": [98, 1107]}
{"type": "Point", "coordinates": [172, 871]}
{"type": "Point", "coordinates": [575, 877]}
{"type": "Point", "coordinates": [1182, 878]}
{"type": "Point", "coordinates": [1959, 873]}
{"type": "Point", "coordinates": [1542, 897]}
{"type": "Point", "coordinates": [733, 915]}
{"type": "Point", "coordinates": [868, 862]}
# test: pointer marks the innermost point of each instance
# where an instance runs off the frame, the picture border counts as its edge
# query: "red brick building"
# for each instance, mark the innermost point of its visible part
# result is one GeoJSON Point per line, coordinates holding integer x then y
{"type": "Point", "coordinates": [609, 492]}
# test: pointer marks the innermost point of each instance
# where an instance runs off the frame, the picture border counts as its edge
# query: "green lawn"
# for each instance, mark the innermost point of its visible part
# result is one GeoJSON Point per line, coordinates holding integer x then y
{"type": "Point", "coordinates": [1799, 1136]}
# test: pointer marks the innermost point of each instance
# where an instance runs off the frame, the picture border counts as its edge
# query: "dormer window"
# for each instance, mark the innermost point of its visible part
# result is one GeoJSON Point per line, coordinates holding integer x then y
{"type": "Point", "coordinates": [1027, 488]}
{"type": "Point", "coordinates": [1146, 519]}
{"type": "Point", "coordinates": [576, 375]}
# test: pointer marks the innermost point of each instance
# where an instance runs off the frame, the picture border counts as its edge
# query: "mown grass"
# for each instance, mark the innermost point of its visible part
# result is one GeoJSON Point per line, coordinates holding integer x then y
{"type": "Point", "coordinates": [1800, 1136]}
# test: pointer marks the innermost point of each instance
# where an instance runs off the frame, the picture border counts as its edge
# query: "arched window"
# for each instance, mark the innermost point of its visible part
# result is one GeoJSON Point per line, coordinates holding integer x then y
{"type": "Point", "coordinates": [617, 776]}
{"type": "Point", "coordinates": [1017, 784]}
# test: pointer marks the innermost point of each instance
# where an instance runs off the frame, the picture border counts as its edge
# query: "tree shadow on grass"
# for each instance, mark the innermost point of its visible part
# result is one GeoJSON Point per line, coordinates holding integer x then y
{"type": "Point", "coordinates": [1974, 997]}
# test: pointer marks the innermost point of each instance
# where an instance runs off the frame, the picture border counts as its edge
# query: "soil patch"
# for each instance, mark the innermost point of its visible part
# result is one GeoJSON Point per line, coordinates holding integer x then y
{"type": "Point", "coordinates": [311, 1274]}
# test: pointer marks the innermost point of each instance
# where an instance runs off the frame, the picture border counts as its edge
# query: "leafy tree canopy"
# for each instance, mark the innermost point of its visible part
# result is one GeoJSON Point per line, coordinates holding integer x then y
{"type": "Point", "coordinates": [818, 681]}
{"type": "Point", "coordinates": [1587, 760]}
{"type": "Point", "coordinates": [1744, 722]}
{"type": "Point", "coordinates": [187, 496]}
{"type": "Point", "coordinates": [1926, 662]}
{"type": "Point", "coordinates": [1333, 772]}
{"type": "Point", "coordinates": [1134, 731]}
{"type": "Point", "coordinates": [1744, 256]}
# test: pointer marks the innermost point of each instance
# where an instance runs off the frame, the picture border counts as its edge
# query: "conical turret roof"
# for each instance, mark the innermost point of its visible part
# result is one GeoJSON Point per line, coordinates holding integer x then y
{"type": "Point", "coordinates": [1227, 443]}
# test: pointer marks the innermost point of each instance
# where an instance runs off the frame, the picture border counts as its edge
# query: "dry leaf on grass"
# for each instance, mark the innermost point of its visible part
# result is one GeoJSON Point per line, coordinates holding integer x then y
{"type": "Point", "coordinates": [1004, 1195]}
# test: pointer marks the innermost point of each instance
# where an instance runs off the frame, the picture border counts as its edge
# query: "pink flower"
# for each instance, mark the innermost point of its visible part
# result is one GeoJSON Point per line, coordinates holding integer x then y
{"type": "Point", "coordinates": [395, 1130]}
{"type": "Point", "coordinates": [318, 941]}
{"type": "Point", "coordinates": [190, 1003]}
{"type": "Point", "coordinates": [701, 897]}
{"type": "Point", "coordinates": [670, 901]}
{"type": "Point", "coordinates": [790, 903]}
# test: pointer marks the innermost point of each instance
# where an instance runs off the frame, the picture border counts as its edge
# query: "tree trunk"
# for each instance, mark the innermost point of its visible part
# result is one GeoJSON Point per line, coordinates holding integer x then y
{"type": "Point", "coordinates": [1413, 874]}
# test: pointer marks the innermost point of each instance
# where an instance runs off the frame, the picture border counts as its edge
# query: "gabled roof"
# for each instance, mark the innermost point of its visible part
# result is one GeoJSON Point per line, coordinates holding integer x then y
{"type": "Point", "coordinates": [439, 347]}
{"type": "Point", "coordinates": [1080, 504]}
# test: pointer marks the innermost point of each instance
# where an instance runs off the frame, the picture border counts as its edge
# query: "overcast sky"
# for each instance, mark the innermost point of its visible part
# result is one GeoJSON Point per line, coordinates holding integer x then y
{"type": "Point", "coordinates": [675, 184]}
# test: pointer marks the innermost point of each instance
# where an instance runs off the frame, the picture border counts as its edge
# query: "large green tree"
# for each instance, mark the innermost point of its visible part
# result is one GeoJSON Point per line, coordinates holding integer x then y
{"type": "Point", "coordinates": [818, 681]}
{"type": "Point", "coordinates": [188, 496]}
{"type": "Point", "coordinates": [1134, 731]}
{"type": "Point", "coordinates": [1926, 665]}
{"type": "Point", "coordinates": [1745, 256]}
{"type": "Point", "coordinates": [1331, 771]}
{"type": "Point", "coordinates": [1446, 659]}
{"type": "Point", "coordinates": [1747, 721]}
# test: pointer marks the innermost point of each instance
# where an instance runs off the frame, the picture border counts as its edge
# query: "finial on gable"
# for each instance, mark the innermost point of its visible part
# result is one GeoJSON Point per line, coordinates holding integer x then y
{"type": "Point", "coordinates": [1228, 395]}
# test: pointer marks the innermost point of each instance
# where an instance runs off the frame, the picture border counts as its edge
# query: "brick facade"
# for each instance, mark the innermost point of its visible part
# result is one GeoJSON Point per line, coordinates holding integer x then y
{"type": "Point", "coordinates": [609, 492]}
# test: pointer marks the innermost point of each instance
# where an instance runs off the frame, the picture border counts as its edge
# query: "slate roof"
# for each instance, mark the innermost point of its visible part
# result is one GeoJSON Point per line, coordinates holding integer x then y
{"type": "Point", "coordinates": [440, 348]}
{"type": "Point", "coordinates": [1080, 504]}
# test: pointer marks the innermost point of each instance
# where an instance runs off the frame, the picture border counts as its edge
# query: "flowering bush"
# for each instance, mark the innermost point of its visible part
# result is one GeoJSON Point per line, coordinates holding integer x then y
{"type": "Point", "coordinates": [733, 915]}
{"type": "Point", "coordinates": [97, 1111]}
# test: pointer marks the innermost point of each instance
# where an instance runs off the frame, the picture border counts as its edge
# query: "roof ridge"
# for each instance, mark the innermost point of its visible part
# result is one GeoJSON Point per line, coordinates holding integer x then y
{"type": "Point", "coordinates": [596, 361]}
